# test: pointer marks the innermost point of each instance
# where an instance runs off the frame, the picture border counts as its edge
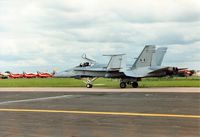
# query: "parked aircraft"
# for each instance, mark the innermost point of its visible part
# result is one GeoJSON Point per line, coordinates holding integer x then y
{"type": "Point", "coordinates": [185, 72]}
{"type": "Point", "coordinates": [8, 74]}
{"type": "Point", "coordinates": [29, 75]}
{"type": "Point", "coordinates": [11, 75]}
{"type": "Point", "coordinates": [44, 75]}
{"type": "Point", "coordinates": [3, 75]}
{"type": "Point", "coordinates": [148, 64]}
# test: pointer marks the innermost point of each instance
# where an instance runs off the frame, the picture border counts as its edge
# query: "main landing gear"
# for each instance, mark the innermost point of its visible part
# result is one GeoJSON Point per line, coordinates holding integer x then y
{"type": "Point", "coordinates": [134, 84]}
{"type": "Point", "coordinates": [123, 83]}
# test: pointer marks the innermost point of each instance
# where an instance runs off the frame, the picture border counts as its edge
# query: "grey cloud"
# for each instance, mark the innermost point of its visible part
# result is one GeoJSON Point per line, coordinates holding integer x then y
{"type": "Point", "coordinates": [59, 7]}
{"type": "Point", "coordinates": [183, 53]}
{"type": "Point", "coordinates": [171, 38]}
{"type": "Point", "coordinates": [58, 31]}
{"type": "Point", "coordinates": [148, 18]}
{"type": "Point", "coordinates": [12, 58]}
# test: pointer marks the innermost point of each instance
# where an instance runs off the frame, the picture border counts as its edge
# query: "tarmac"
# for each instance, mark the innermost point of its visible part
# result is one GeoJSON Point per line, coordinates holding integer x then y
{"type": "Point", "coordinates": [64, 89]}
{"type": "Point", "coordinates": [99, 112]}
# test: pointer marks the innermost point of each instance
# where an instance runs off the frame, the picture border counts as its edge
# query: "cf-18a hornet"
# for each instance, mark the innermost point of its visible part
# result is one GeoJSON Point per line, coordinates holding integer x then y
{"type": "Point", "coordinates": [148, 64]}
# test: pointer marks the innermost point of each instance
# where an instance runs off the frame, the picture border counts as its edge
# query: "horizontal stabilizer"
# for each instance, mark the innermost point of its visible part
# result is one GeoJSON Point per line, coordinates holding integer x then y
{"type": "Point", "coordinates": [163, 71]}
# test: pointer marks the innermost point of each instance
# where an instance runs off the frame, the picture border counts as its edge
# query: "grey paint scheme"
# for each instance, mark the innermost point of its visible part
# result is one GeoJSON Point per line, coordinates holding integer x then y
{"type": "Point", "coordinates": [148, 64]}
{"type": "Point", "coordinates": [158, 56]}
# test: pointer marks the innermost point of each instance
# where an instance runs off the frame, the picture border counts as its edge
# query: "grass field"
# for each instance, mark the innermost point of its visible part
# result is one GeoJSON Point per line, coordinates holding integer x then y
{"type": "Point", "coordinates": [109, 83]}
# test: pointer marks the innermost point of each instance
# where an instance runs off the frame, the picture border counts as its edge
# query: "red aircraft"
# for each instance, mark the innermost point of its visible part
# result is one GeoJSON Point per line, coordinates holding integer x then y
{"type": "Point", "coordinates": [11, 75]}
{"type": "Point", "coordinates": [29, 75]}
{"type": "Point", "coordinates": [185, 73]}
{"type": "Point", "coordinates": [44, 75]}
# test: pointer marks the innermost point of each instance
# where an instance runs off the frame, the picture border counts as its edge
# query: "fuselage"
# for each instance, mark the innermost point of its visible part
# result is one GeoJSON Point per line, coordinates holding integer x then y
{"type": "Point", "coordinates": [100, 70]}
{"type": "Point", "coordinates": [95, 70]}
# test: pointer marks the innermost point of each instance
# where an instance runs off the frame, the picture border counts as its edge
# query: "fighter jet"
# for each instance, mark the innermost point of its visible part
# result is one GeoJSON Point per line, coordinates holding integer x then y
{"type": "Point", "coordinates": [148, 64]}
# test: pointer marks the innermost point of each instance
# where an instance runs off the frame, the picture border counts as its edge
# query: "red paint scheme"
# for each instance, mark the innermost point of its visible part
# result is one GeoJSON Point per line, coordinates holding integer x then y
{"type": "Point", "coordinates": [44, 75]}
{"type": "Point", "coordinates": [185, 73]}
{"type": "Point", "coordinates": [29, 75]}
{"type": "Point", "coordinates": [15, 75]}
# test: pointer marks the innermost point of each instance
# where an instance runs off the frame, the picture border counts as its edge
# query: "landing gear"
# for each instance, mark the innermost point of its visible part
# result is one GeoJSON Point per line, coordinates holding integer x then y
{"type": "Point", "coordinates": [122, 84]}
{"type": "Point", "coordinates": [89, 82]}
{"type": "Point", "coordinates": [89, 85]}
{"type": "Point", "coordinates": [134, 84]}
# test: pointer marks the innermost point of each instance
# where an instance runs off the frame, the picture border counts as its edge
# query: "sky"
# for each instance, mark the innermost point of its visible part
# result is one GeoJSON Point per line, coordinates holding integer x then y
{"type": "Point", "coordinates": [48, 35]}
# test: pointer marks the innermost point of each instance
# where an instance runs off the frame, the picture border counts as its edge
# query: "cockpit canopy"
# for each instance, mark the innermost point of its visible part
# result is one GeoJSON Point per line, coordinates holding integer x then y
{"type": "Point", "coordinates": [85, 64]}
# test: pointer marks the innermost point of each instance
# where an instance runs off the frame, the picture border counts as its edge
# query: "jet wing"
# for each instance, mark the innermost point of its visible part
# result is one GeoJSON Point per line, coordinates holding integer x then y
{"type": "Point", "coordinates": [134, 74]}
{"type": "Point", "coordinates": [116, 62]}
{"type": "Point", "coordinates": [137, 73]}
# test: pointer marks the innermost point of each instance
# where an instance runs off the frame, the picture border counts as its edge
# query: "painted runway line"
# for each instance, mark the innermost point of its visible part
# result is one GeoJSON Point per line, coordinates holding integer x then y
{"type": "Point", "coordinates": [39, 99]}
{"type": "Point", "coordinates": [102, 113]}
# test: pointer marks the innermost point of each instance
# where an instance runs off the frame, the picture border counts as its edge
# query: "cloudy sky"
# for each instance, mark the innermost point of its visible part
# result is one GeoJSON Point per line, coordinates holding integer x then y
{"type": "Point", "coordinates": [53, 34]}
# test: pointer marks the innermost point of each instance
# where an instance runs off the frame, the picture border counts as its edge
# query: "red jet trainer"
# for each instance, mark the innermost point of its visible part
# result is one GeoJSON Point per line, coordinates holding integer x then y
{"type": "Point", "coordinates": [29, 75]}
{"type": "Point", "coordinates": [44, 75]}
{"type": "Point", "coordinates": [185, 73]}
{"type": "Point", "coordinates": [15, 75]}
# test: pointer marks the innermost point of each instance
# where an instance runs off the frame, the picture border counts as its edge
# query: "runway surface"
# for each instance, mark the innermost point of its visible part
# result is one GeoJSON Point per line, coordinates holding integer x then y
{"type": "Point", "coordinates": [76, 113]}
{"type": "Point", "coordinates": [170, 89]}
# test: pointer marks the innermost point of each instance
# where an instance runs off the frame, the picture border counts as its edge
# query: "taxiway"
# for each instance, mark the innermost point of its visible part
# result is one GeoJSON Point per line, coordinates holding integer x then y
{"type": "Point", "coordinates": [75, 113]}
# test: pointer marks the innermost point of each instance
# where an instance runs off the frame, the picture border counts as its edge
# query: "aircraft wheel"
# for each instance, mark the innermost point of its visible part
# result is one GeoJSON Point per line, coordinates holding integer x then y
{"type": "Point", "coordinates": [122, 84]}
{"type": "Point", "coordinates": [89, 85]}
{"type": "Point", "coordinates": [134, 84]}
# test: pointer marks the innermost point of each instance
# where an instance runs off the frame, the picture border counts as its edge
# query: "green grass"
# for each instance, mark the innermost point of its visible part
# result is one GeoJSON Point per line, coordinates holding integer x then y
{"type": "Point", "coordinates": [109, 83]}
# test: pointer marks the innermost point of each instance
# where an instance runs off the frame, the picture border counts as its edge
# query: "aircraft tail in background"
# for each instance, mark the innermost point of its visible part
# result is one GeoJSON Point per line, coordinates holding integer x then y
{"type": "Point", "coordinates": [158, 56]}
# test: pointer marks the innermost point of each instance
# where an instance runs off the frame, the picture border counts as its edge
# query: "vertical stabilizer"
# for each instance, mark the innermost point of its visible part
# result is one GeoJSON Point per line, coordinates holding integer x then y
{"type": "Point", "coordinates": [145, 57]}
{"type": "Point", "coordinates": [158, 56]}
{"type": "Point", "coordinates": [116, 62]}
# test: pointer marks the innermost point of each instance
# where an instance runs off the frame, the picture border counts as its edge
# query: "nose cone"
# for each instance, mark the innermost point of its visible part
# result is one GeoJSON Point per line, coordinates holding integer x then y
{"type": "Point", "coordinates": [58, 75]}
{"type": "Point", "coordinates": [64, 74]}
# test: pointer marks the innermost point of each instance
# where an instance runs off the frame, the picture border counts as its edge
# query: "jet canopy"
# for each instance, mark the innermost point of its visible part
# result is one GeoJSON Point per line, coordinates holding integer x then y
{"type": "Point", "coordinates": [85, 64]}
{"type": "Point", "coordinates": [87, 61]}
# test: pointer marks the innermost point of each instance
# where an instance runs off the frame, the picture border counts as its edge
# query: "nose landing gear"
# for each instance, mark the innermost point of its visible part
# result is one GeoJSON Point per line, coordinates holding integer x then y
{"type": "Point", "coordinates": [89, 85]}
{"type": "Point", "coordinates": [90, 81]}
